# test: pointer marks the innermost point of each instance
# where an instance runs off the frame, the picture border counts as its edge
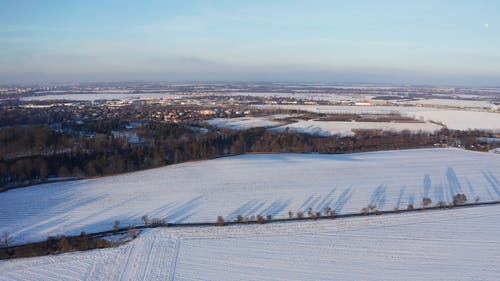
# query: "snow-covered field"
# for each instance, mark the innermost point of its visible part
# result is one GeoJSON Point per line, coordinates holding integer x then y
{"type": "Point", "coordinates": [100, 96]}
{"type": "Point", "coordinates": [250, 185]}
{"type": "Point", "coordinates": [320, 128]}
{"type": "Point", "coordinates": [453, 102]}
{"type": "Point", "coordinates": [453, 119]}
{"type": "Point", "coordinates": [456, 244]}
{"type": "Point", "coordinates": [244, 123]}
{"type": "Point", "coordinates": [329, 128]}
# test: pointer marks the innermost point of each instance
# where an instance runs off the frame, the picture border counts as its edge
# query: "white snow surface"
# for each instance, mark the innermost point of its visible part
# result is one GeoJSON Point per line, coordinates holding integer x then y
{"type": "Point", "coordinates": [330, 128]}
{"type": "Point", "coordinates": [244, 123]}
{"type": "Point", "coordinates": [453, 102]}
{"type": "Point", "coordinates": [100, 96]}
{"type": "Point", "coordinates": [455, 244]}
{"type": "Point", "coordinates": [249, 185]}
{"type": "Point", "coordinates": [453, 119]}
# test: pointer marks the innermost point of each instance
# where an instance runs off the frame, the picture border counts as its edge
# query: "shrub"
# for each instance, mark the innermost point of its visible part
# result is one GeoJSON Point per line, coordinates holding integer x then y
{"type": "Point", "coordinates": [64, 245]}
{"type": "Point", "coordinates": [5, 239]}
{"type": "Point", "coordinates": [157, 222]}
{"type": "Point", "coordinates": [133, 232]}
{"type": "Point", "coordinates": [426, 201]}
{"type": "Point", "coordinates": [372, 207]}
{"type": "Point", "coordinates": [410, 207]}
{"type": "Point", "coordinates": [269, 217]}
{"type": "Point", "coordinates": [220, 221]}
{"type": "Point", "coordinates": [145, 219]}
{"type": "Point", "coordinates": [441, 204]}
{"type": "Point", "coordinates": [396, 209]}
{"type": "Point", "coordinates": [239, 218]}
{"type": "Point", "coordinates": [364, 211]}
{"type": "Point", "coordinates": [261, 219]}
{"type": "Point", "coordinates": [300, 215]}
{"type": "Point", "coordinates": [333, 214]}
{"type": "Point", "coordinates": [460, 198]}
{"type": "Point", "coordinates": [116, 226]}
{"type": "Point", "coordinates": [290, 214]}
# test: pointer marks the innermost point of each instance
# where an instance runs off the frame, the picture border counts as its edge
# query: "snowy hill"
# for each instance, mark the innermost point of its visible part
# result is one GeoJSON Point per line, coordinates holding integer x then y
{"type": "Point", "coordinates": [456, 244]}
{"type": "Point", "coordinates": [250, 185]}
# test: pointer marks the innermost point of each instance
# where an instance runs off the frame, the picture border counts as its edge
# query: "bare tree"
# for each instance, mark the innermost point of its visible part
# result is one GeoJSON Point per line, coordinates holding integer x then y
{"type": "Point", "coordinates": [6, 239]}
{"type": "Point", "coordinates": [145, 219]}
{"type": "Point", "coordinates": [460, 198]}
{"type": "Point", "coordinates": [261, 219]}
{"type": "Point", "coordinates": [426, 201]}
{"type": "Point", "coordinates": [220, 221]}
{"type": "Point", "coordinates": [116, 226]}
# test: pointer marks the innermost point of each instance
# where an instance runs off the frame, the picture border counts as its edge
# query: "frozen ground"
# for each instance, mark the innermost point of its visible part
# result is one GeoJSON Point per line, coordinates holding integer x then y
{"type": "Point", "coordinates": [453, 119]}
{"type": "Point", "coordinates": [100, 96]}
{"type": "Point", "coordinates": [319, 128]}
{"type": "Point", "coordinates": [250, 185]}
{"type": "Point", "coordinates": [453, 102]}
{"type": "Point", "coordinates": [456, 244]}
{"type": "Point", "coordinates": [245, 123]}
{"type": "Point", "coordinates": [329, 128]}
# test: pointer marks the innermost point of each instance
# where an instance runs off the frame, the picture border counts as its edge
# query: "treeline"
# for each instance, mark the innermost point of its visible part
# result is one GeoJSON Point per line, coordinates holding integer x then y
{"type": "Point", "coordinates": [163, 144]}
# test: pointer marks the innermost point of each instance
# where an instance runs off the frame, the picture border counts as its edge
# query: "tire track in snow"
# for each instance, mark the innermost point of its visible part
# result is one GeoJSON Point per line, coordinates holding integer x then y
{"type": "Point", "coordinates": [173, 262]}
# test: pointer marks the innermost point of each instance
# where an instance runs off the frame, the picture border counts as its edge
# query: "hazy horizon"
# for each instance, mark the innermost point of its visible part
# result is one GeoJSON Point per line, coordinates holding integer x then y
{"type": "Point", "coordinates": [388, 42]}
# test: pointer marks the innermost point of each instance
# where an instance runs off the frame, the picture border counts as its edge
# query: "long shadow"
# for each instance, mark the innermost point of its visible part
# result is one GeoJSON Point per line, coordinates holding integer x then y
{"type": "Point", "coordinates": [411, 199]}
{"type": "Point", "coordinates": [159, 211]}
{"type": "Point", "coordinates": [255, 209]}
{"type": "Point", "coordinates": [327, 201]}
{"type": "Point", "coordinates": [110, 208]}
{"type": "Point", "coordinates": [276, 207]}
{"type": "Point", "coordinates": [379, 196]}
{"type": "Point", "coordinates": [493, 181]}
{"type": "Point", "coordinates": [401, 194]}
{"type": "Point", "coordinates": [290, 157]}
{"type": "Point", "coordinates": [439, 193]}
{"type": "Point", "coordinates": [427, 185]}
{"type": "Point", "coordinates": [307, 201]}
{"type": "Point", "coordinates": [184, 210]}
{"type": "Point", "coordinates": [453, 182]}
{"type": "Point", "coordinates": [342, 200]}
{"type": "Point", "coordinates": [471, 188]}
{"type": "Point", "coordinates": [313, 202]}
{"type": "Point", "coordinates": [242, 210]}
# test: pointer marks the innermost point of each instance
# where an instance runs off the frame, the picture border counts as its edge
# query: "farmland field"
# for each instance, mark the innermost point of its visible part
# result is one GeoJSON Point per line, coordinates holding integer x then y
{"type": "Point", "coordinates": [249, 185]}
{"type": "Point", "coordinates": [452, 118]}
{"type": "Point", "coordinates": [456, 244]}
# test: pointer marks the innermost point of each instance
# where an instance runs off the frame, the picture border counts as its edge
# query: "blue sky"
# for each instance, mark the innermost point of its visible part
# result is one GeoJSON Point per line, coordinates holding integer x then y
{"type": "Point", "coordinates": [418, 42]}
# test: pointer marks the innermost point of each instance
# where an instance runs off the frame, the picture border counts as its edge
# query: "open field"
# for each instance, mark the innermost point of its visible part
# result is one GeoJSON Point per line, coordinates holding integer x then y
{"type": "Point", "coordinates": [267, 184]}
{"type": "Point", "coordinates": [99, 96]}
{"type": "Point", "coordinates": [456, 244]}
{"type": "Point", "coordinates": [343, 128]}
{"type": "Point", "coordinates": [453, 119]}
{"type": "Point", "coordinates": [320, 128]}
